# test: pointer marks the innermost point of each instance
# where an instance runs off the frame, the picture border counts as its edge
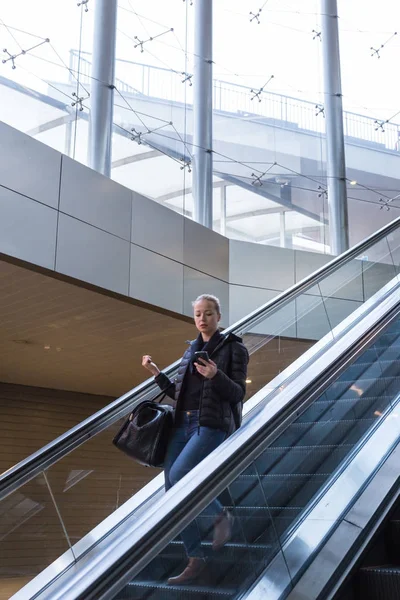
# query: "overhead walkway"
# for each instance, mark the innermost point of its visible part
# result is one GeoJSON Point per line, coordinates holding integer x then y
{"type": "Point", "coordinates": [269, 165]}
{"type": "Point", "coordinates": [60, 498]}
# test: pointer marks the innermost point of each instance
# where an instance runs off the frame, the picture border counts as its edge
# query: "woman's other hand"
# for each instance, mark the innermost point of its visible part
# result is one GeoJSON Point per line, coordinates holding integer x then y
{"type": "Point", "coordinates": [147, 363]}
{"type": "Point", "coordinates": [207, 369]}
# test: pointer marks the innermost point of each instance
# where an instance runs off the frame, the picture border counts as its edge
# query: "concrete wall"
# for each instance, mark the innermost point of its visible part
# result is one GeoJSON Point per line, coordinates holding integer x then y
{"type": "Point", "coordinates": [59, 214]}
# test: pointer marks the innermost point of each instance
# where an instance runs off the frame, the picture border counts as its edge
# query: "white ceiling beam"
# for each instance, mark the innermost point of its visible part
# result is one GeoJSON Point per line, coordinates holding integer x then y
{"type": "Point", "coordinates": [51, 124]}
{"type": "Point", "coordinates": [257, 213]}
{"type": "Point", "coordinates": [128, 160]}
{"type": "Point", "coordinates": [188, 190]}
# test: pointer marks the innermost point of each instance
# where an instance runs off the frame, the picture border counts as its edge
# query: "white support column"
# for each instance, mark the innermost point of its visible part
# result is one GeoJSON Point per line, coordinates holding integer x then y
{"type": "Point", "coordinates": [223, 211]}
{"type": "Point", "coordinates": [283, 229]}
{"type": "Point", "coordinates": [68, 138]}
{"type": "Point", "coordinates": [202, 113]}
{"type": "Point", "coordinates": [336, 165]}
{"type": "Point", "coordinates": [102, 85]}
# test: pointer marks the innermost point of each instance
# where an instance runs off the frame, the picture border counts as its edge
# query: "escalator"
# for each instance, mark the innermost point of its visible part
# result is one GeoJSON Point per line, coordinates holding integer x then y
{"type": "Point", "coordinates": [56, 503]}
{"type": "Point", "coordinates": [298, 463]}
{"type": "Point", "coordinates": [272, 496]}
{"type": "Point", "coordinates": [378, 577]}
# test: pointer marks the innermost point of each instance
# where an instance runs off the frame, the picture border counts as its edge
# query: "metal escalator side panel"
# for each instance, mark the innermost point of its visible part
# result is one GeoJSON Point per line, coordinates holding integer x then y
{"type": "Point", "coordinates": [328, 512]}
{"type": "Point", "coordinates": [335, 560]}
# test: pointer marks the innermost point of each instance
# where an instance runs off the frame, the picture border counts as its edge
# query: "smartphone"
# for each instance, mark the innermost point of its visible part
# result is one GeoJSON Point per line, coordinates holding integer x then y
{"type": "Point", "coordinates": [203, 354]}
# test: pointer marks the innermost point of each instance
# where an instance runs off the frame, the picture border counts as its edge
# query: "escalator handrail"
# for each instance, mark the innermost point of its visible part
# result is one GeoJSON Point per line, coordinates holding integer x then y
{"type": "Point", "coordinates": [26, 469]}
{"type": "Point", "coordinates": [134, 543]}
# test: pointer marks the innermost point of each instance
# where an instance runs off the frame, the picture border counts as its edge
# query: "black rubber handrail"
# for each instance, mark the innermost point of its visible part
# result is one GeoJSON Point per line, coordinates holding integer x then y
{"type": "Point", "coordinates": [28, 468]}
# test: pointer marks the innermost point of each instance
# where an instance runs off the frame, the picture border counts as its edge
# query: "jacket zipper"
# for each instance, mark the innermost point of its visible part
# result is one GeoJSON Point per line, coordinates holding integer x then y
{"type": "Point", "coordinates": [222, 342]}
{"type": "Point", "coordinates": [201, 403]}
{"type": "Point", "coordinates": [177, 400]}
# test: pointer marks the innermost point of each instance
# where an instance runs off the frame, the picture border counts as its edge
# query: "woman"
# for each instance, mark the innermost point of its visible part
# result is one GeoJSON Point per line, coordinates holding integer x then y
{"type": "Point", "coordinates": [209, 397]}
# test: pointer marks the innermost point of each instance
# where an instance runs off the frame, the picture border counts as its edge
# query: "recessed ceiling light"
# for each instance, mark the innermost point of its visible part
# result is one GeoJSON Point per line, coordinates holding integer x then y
{"type": "Point", "coordinates": [47, 347]}
{"type": "Point", "coordinates": [353, 182]}
{"type": "Point", "coordinates": [248, 380]}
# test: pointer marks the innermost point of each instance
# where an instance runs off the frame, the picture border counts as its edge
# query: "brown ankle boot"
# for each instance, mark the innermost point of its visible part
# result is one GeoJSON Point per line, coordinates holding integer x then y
{"type": "Point", "coordinates": [194, 567]}
{"type": "Point", "coordinates": [222, 530]}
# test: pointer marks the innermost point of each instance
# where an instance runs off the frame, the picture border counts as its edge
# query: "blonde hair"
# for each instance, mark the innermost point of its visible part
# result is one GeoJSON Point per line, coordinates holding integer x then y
{"type": "Point", "coordinates": [209, 298]}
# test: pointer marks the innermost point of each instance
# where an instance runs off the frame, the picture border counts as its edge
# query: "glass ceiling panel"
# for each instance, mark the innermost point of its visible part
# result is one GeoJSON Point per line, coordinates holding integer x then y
{"type": "Point", "coordinates": [154, 177]}
{"type": "Point", "coordinates": [25, 111]}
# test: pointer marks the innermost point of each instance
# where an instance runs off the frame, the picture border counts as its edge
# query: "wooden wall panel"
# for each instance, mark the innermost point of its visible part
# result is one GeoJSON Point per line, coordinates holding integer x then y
{"type": "Point", "coordinates": [31, 417]}
{"type": "Point", "coordinates": [88, 484]}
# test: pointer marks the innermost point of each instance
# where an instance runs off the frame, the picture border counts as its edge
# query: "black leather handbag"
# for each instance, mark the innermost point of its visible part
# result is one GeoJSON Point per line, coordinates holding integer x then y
{"type": "Point", "coordinates": [144, 435]}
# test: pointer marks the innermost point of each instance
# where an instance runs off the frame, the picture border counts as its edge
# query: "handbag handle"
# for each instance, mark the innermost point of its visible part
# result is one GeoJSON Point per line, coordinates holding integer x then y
{"type": "Point", "coordinates": [161, 395]}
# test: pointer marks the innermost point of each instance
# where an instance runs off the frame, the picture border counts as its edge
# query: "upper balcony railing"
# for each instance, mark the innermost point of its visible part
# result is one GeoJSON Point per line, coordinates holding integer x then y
{"type": "Point", "coordinates": [170, 85]}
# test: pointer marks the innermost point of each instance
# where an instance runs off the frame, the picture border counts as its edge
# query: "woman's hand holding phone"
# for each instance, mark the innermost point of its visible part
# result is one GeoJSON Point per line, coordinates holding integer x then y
{"type": "Point", "coordinates": [206, 368]}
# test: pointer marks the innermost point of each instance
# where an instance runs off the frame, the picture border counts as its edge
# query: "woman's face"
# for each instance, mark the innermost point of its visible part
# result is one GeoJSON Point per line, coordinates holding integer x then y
{"type": "Point", "coordinates": [206, 317]}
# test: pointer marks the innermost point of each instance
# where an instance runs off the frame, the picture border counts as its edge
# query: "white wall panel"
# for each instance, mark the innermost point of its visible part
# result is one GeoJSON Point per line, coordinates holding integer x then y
{"type": "Point", "coordinates": [244, 300]}
{"type": "Point", "coordinates": [29, 167]}
{"type": "Point", "coordinates": [196, 283]}
{"type": "Point", "coordinates": [338, 309]}
{"type": "Point", "coordinates": [261, 266]}
{"type": "Point", "coordinates": [157, 228]}
{"type": "Point", "coordinates": [92, 255]}
{"type": "Point", "coordinates": [156, 279]}
{"type": "Point", "coordinates": [308, 262]}
{"type": "Point", "coordinates": [317, 317]}
{"type": "Point", "coordinates": [375, 276]}
{"type": "Point", "coordinates": [205, 250]}
{"type": "Point", "coordinates": [95, 199]}
{"type": "Point", "coordinates": [27, 229]}
{"type": "Point", "coordinates": [345, 283]}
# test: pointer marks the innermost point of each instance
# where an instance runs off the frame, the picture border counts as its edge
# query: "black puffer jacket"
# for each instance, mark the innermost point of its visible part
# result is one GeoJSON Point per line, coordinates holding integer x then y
{"type": "Point", "coordinates": [222, 396]}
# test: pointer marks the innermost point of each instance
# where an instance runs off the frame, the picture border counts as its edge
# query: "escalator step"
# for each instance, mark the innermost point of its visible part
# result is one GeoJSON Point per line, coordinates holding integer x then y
{"type": "Point", "coordinates": [240, 551]}
{"type": "Point", "coordinates": [379, 583]}
{"type": "Point", "coordinates": [226, 571]}
{"type": "Point", "coordinates": [357, 371]}
{"type": "Point", "coordinates": [252, 525]}
{"type": "Point", "coordinates": [387, 339]}
{"type": "Point", "coordinates": [276, 490]}
{"type": "Point", "coordinates": [163, 591]}
{"type": "Point", "coordinates": [388, 357]}
{"type": "Point", "coordinates": [341, 387]}
{"type": "Point", "coordinates": [303, 458]}
{"type": "Point", "coordinates": [324, 432]}
{"type": "Point", "coordinates": [390, 362]}
{"type": "Point", "coordinates": [275, 479]}
{"type": "Point", "coordinates": [354, 407]}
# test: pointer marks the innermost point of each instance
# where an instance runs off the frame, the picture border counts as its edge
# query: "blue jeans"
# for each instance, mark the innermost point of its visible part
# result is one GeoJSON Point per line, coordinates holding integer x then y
{"type": "Point", "coordinates": [187, 447]}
